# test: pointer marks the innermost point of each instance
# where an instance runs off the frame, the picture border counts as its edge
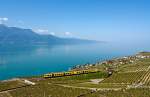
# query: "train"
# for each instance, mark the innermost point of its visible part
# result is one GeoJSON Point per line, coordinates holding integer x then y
{"type": "Point", "coordinates": [69, 73]}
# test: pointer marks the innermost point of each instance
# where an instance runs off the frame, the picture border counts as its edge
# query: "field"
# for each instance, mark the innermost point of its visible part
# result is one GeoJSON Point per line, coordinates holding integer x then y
{"type": "Point", "coordinates": [117, 80]}
{"type": "Point", "coordinates": [11, 85]}
{"type": "Point", "coordinates": [145, 79]}
{"type": "Point", "coordinates": [48, 90]}
{"type": "Point", "coordinates": [53, 87]}
{"type": "Point", "coordinates": [128, 80]}
{"type": "Point", "coordinates": [100, 85]}
{"type": "Point", "coordinates": [138, 92]}
{"type": "Point", "coordinates": [140, 65]}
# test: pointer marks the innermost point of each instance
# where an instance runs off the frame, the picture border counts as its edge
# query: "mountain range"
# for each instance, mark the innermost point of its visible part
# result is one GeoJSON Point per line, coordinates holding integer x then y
{"type": "Point", "coordinates": [15, 35]}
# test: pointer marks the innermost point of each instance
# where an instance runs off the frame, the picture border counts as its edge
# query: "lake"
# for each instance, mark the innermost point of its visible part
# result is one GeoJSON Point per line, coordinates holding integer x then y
{"type": "Point", "coordinates": [18, 61]}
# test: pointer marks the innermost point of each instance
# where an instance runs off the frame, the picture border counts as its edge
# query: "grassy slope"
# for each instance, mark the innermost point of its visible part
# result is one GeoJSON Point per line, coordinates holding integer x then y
{"type": "Point", "coordinates": [47, 90]}
{"type": "Point", "coordinates": [10, 85]}
{"type": "Point", "coordinates": [138, 92]}
{"type": "Point", "coordinates": [50, 86]}
{"type": "Point", "coordinates": [127, 74]}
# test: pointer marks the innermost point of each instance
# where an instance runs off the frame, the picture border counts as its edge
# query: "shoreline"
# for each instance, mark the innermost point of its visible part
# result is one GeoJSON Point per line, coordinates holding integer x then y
{"type": "Point", "coordinates": [83, 66]}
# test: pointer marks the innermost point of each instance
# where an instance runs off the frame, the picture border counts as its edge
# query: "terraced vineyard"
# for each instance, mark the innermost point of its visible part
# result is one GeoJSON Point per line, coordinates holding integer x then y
{"type": "Point", "coordinates": [145, 79]}
{"type": "Point", "coordinates": [140, 65]}
{"type": "Point", "coordinates": [127, 78]}
{"type": "Point", "coordinates": [138, 92]}
{"type": "Point", "coordinates": [134, 68]}
{"type": "Point", "coordinates": [54, 87]}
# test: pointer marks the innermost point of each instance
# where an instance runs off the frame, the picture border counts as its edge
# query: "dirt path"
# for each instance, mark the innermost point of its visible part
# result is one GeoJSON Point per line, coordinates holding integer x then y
{"type": "Point", "coordinates": [96, 81]}
{"type": "Point", "coordinates": [93, 89]}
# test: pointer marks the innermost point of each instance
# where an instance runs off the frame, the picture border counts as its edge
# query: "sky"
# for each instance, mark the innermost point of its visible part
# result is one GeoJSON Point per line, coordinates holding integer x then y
{"type": "Point", "coordinates": [104, 20]}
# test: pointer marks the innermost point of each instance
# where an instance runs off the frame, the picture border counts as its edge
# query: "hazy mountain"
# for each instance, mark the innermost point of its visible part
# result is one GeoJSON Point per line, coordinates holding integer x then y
{"type": "Point", "coordinates": [14, 35]}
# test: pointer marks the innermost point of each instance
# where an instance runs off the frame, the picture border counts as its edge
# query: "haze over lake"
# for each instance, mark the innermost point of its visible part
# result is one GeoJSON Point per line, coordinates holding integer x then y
{"type": "Point", "coordinates": [18, 61]}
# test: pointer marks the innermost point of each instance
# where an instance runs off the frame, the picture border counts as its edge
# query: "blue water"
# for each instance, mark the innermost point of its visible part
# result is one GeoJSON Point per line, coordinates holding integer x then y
{"type": "Point", "coordinates": [16, 61]}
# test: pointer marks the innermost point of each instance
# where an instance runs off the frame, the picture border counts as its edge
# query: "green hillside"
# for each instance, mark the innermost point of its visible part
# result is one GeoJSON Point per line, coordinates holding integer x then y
{"type": "Point", "coordinates": [130, 78]}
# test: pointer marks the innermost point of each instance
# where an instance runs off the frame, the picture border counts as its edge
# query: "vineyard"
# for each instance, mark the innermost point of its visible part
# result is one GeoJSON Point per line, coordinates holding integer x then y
{"type": "Point", "coordinates": [134, 68]}
{"type": "Point", "coordinates": [127, 78]}
{"type": "Point", "coordinates": [117, 80]}
{"type": "Point", "coordinates": [140, 65]}
{"type": "Point", "coordinates": [10, 85]}
{"type": "Point", "coordinates": [100, 85]}
{"type": "Point", "coordinates": [138, 92]}
{"type": "Point", "coordinates": [78, 78]}
{"type": "Point", "coordinates": [47, 90]}
{"type": "Point", "coordinates": [145, 79]}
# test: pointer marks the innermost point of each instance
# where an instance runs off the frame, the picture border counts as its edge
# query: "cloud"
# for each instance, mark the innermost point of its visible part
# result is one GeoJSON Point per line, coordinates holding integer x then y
{"type": "Point", "coordinates": [3, 19]}
{"type": "Point", "coordinates": [42, 30]}
{"type": "Point", "coordinates": [52, 33]}
{"type": "Point", "coordinates": [68, 33]}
